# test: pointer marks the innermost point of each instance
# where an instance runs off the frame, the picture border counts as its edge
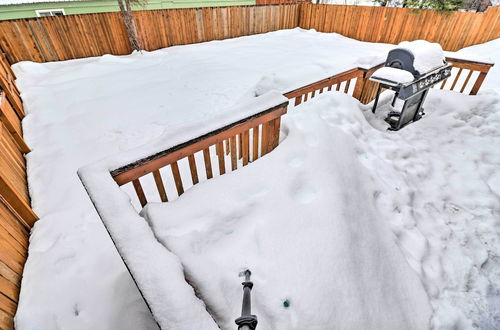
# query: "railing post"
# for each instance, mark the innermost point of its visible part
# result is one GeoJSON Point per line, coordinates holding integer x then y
{"type": "Point", "coordinates": [246, 321]}
{"type": "Point", "coordinates": [360, 84]}
{"type": "Point", "coordinates": [366, 90]}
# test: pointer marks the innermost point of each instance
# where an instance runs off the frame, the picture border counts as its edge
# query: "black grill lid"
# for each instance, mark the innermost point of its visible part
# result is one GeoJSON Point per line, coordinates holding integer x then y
{"type": "Point", "coordinates": [402, 58]}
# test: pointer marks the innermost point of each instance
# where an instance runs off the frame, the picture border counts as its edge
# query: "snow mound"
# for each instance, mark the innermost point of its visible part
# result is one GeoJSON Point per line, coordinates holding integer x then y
{"type": "Point", "coordinates": [80, 111]}
{"type": "Point", "coordinates": [292, 215]}
{"type": "Point", "coordinates": [393, 75]}
{"type": "Point", "coordinates": [303, 219]}
{"type": "Point", "coordinates": [428, 55]}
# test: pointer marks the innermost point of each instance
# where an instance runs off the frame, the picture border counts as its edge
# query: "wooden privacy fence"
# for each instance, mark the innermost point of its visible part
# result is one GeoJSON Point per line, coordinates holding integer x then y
{"type": "Point", "coordinates": [453, 30]}
{"type": "Point", "coordinates": [16, 215]}
{"type": "Point", "coordinates": [222, 151]}
{"type": "Point", "coordinates": [76, 36]}
{"type": "Point", "coordinates": [216, 153]}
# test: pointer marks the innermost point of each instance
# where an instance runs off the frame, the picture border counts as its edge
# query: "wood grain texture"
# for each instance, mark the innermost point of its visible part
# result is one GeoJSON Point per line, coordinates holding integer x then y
{"type": "Point", "coordinates": [160, 186]}
{"type": "Point", "coordinates": [76, 36]}
{"type": "Point", "coordinates": [453, 30]}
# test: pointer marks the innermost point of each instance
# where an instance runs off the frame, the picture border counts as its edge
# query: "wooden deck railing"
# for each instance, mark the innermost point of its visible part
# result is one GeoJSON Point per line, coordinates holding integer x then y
{"type": "Point", "coordinates": [162, 177]}
{"type": "Point", "coordinates": [240, 143]}
{"type": "Point", "coordinates": [229, 147]}
{"type": "Point", "coordinates": [467, 77]}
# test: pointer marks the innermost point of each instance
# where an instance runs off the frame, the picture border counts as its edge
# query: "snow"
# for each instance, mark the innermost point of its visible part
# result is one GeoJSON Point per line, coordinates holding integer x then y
{"type": "Point", "coordinates": [389, 74]}
{"type": "Point", "coordinates": [438, 175]}
{"type": "Point", "coordinates": [81, 111]}
{"type": "Point", "coordinates": [428, 55]}
{"type": "Point", "coordinates": [314, 238]}
{"type": "Point", "coordinates": [438, 193]}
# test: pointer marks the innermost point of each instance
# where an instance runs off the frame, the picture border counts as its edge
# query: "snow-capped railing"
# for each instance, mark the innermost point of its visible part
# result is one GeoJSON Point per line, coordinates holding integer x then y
{"type": "Point", "coordinates": [252, 130]}
{"type": "Point", "coordinates": [239, 143]}
{"type": "Point", "coordinates": [339, 82]}
{"type": "Point", "coordinates": [467, 77]}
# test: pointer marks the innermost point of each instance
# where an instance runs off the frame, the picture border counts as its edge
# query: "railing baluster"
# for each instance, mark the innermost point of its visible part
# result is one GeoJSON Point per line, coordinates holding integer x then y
{"type": "Point", "coordinates": [192, 167]}
{"type": "Point", "coordinates": [177, 178]}
{"type": "Point", "coordinates": [270, 142]}
{"type": "Point", "coordinates": [456, 79]}
{"type": "Point", "coordinates": [160, 186]}
{"type": "Point", "coordinates": [478, 83]}
{"type": "Point", "coordinates": [346, 88]}
{"type": "Point", "coordinates": [140, 193]}
{"type": "Point", "coordinates": [265, 139]}
{"type": "Point", "coordinates": [277, 127]}
{"type": "Point", "coordinates": [240, 146]}
{"type": "Point", "coordinates": [298, 100]}
{"type": "Point", "coordinates": [466, 81]}
{"type": "Point", "coordinates": [220, 155]}
{"type": "Point", "coordinates": [234, 161]}
{"type": "Point", "coordinates": [245, 147]}
{"type": "Point", "coordinates": [208, 161]}
{"type": "Point", "coordinates": [338, 86]}
{"type": "Point", "coordinates": [444, 83]}
{"type": "Point", "coordinates": [255, 151]}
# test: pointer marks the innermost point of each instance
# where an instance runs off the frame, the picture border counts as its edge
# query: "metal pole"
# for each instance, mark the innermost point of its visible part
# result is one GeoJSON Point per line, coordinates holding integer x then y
{"type": "Point", "coordinates": [246, 321]}
{"type": "Point", "coordinates": [376, 98]}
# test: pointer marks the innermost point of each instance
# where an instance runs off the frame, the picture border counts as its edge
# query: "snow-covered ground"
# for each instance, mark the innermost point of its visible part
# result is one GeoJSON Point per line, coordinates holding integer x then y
{"type": "Point", "coordinates": [436, 182]}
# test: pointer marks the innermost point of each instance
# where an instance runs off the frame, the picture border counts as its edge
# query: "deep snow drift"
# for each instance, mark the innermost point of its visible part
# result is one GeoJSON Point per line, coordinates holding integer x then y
{"type": "Point", "coordinates": [310, 215]}
{"type": "Point", "coordinates": [82, 110]}
{"type": "Point", "coordinates": [304, 220]}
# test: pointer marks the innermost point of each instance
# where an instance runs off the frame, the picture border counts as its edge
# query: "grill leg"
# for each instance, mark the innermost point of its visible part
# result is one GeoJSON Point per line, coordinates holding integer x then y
{"type": "Point", "coordinates": [394, 98]}
{"type": "Point", "coordinates": [376, 98]}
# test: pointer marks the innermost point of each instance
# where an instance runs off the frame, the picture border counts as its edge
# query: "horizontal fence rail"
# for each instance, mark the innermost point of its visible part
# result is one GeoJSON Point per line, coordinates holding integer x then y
{"type": "Point", "coordinates": [221, 151]}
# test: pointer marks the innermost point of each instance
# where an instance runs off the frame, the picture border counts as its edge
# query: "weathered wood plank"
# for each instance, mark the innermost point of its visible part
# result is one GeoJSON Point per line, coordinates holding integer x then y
{"type": "Point", "coordinates": [177, 177]}
{"type": "Point", "coordinates": [139, 192]}
{"type": "Point", "coordinates": [159, 186]}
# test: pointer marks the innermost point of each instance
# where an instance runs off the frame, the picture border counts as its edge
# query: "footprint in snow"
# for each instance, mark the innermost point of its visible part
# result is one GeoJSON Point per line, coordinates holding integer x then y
{"type": "Point", "coordinates": [295, 161]}
{"type": "Point", "coordinates": [304, 194]}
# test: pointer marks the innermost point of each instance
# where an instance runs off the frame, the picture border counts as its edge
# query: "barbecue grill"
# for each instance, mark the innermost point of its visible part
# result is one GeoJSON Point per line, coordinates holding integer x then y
{"type": "Point", "coordinates": [410, 70]}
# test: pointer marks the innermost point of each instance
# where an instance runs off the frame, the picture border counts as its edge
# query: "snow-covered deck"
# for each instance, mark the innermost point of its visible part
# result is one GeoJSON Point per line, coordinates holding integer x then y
{"type": "Point", "coordinates": [83, 110]}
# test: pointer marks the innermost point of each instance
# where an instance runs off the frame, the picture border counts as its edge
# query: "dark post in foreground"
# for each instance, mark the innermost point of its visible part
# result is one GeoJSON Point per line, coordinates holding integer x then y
{"type": "Point", "coordinates": [246, 321]}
